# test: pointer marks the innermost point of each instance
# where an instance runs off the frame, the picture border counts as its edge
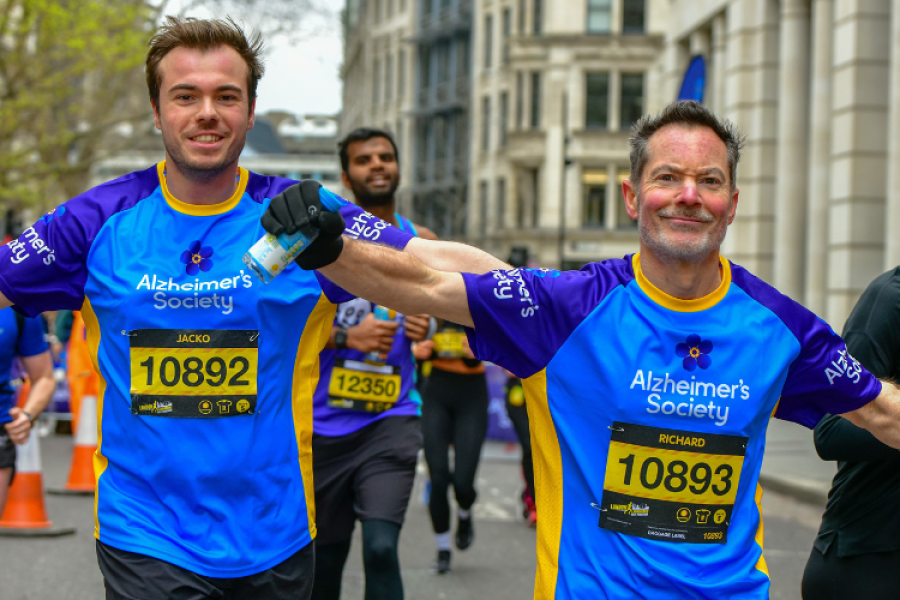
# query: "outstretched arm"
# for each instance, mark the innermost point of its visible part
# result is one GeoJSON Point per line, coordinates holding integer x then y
{"type": "Point", "coordinates": [453, 256]}
{"type": "Point", "coordinates": [399, 280]}
{"type": "Point", "coordinates": [881, 416]}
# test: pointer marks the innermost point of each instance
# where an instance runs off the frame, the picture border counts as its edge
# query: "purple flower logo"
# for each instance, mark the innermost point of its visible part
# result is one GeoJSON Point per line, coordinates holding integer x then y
{"type": "Point", "coordinates": [196, 257]}
{"type": "Point", "coordinates": [695, 353]}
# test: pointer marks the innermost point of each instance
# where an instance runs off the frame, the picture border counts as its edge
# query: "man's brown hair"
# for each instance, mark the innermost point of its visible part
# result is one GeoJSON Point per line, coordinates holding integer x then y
{"type": "Point", "coordinates": [203, 34]}
{"type": "Point", "coordinates": [686, 113]}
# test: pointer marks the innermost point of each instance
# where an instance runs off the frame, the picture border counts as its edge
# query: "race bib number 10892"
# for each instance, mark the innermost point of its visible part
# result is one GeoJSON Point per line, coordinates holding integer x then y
{"type": "Point", "coordinates": [193, 373]}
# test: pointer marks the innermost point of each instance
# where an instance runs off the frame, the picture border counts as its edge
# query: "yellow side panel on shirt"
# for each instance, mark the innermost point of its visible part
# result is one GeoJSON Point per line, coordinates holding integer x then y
{"type": "Point", "coordinates": [306, 377]}
{"type": "Point", "coordinates": [548, 483]}
{"type": "Point", "coordinates": [92, 333]}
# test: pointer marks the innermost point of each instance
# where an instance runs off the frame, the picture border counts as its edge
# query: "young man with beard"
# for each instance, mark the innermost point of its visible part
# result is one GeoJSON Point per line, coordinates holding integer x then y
{"type": "Point", "coordinates": [650, 379]}
{"type": "Point", "coordinates": [204, 459]}
{"type": "Point", "coordinates": [366, 432]}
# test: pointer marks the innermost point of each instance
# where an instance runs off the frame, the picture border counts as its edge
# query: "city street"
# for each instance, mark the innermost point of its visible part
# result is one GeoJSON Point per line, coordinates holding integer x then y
{"type": "Point", "coordinates": [499, 566]}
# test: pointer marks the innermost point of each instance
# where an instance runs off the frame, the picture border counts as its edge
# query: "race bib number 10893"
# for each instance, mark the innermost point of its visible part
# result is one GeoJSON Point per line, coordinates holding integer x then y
{"type": "Point", "coordinates": [671, 485]}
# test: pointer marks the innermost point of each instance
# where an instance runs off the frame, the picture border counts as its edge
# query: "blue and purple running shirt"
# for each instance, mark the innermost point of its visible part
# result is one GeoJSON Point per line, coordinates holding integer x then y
{"type": "Point", "coordinates": [649, 416]}
{"type": "Point", "coordinates": [353, 392]}
{"type": "Point", "coordinates": [207, 375]}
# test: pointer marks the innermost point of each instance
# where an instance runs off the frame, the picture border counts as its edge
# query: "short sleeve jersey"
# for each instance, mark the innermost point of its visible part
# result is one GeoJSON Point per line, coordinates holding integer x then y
{"type": "Point", "coordinates": [28, 342]}
{"type": "Point", "coordinates": [354, 390]}
{"type": "Point", "coordinates": [207, 374]}
{"type": "Point", "coordinates": [649, 416]}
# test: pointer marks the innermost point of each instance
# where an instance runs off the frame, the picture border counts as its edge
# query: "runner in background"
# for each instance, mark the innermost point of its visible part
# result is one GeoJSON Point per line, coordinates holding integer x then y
{"type": "Point", "coordinates": [366, 406]}
{"type": "Point", "coordinates": [23, 337]}
{"type": "Point", "coordinates": [454, 411]}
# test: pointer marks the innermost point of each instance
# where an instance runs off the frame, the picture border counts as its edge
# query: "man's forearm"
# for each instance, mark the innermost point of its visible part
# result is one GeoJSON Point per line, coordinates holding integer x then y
{"type": "Point", "coordinates": [399, 280]}
{"type": "Point", "coordinates": [881, 416]}
{"type": "Point", "coordinates": [453, 257]}
{"type": "Point", "coordinates": [40, 395]}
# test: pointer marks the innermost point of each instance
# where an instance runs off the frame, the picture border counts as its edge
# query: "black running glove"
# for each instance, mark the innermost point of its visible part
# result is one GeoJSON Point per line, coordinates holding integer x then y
{"type": "Point", "coordinates": [298, 208]}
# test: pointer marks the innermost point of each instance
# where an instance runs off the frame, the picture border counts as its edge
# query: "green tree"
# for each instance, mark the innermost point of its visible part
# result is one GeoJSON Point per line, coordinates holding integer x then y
{"type": "Point", "coordinates": [65, 72]}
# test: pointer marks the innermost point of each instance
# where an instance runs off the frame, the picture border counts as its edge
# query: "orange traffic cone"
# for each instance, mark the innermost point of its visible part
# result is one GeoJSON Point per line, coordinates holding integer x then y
{"type": "Point", "coordinates": [81, 474]}
{"type": "Point", "coordinates": [24, 515]}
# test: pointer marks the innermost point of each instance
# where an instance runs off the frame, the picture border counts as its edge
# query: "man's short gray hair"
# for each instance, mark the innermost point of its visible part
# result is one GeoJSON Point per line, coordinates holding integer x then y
{"type": "Point", "coordinates": [686, 113]}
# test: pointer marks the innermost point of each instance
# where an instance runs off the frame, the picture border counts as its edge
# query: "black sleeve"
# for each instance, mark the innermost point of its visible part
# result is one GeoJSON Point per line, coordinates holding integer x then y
{"type": "Point", "coordinates": [839, 439]}
{"type": "Point", "coordinates": [872, 334]}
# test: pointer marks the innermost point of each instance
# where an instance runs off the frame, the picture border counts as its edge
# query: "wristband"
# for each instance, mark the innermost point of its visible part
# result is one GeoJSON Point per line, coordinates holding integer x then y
{"type": "Point", "coordinates": [340, 338]}
{"type": "Point", "coordinates": [432, 328]}
{"type": "Point", "coordinates": [31, 417]}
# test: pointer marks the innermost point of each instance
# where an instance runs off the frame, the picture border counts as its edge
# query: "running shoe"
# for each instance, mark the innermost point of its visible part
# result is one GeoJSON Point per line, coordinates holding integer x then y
{"type": "Point", "coordinates": [443, 562]}
{"type": "Point", "coordinates": [465, 533]}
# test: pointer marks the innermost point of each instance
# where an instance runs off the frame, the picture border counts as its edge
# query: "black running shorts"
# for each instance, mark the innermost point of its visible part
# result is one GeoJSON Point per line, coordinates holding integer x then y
{"type": "Point", "coordinates": [130, 576]}
{"type": "Point", "coordinates": [367, 474]}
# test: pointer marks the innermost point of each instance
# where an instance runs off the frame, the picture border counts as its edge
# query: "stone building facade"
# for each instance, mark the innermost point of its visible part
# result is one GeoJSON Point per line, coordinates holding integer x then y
{"type": "Point", "coordinates": [815, 84]}
{"type": "Point", "coordinates": [555, 89]}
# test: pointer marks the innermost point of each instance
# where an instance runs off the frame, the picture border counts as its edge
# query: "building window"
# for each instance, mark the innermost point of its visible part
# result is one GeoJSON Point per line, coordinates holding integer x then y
{"type": "Point", "coordinates": [483, 208]}
{"type": "Point", "coordinates": [521, 17]}
{"type": "Point", "coordinates": [537, 9]}
{"type": "Point", "coordinates": [520, 99]}
{"type": "Point", "coordinates": [507, 31]}
{"type": "Point", "coordinates": [632, 99]}
{"type": "Point", "coordinates": [623, 221]}
{"type": "Point", "coordinates": [401, 74]}
{"type": "Point", "coordinates": [596, 101]}
{"type": "Point", "coordinates": [388, 77]}
{"type": "Point", "coordinates": [599, 16]}
{"type": "Point", "coordinates": [504, 118]}
{"type": "Point", "coordinates": [593, 211]}
{"type": "Point", "coordinates": [501, 202]}
{"type": "Point", "coordinates": [486, 123]}
{"type": "Point", "coordinates": [535, 99]}
{"type": "Point", "coordinates": [376, 82]}
{"type": "Point", "coordinates": [488, 40]}
{"type": "Point", "coordinates": [633, 16]}
{"type": "Point", "coordinates": [377, 11]}
{"type": "Point", "coordinates": [402, 5]}
{"type": "Point", "coordinates": [535, 198]}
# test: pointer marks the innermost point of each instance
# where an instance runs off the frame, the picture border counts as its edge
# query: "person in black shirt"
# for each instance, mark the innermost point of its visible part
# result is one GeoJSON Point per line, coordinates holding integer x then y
{"type": "Point", "coordinates": [857, 551]}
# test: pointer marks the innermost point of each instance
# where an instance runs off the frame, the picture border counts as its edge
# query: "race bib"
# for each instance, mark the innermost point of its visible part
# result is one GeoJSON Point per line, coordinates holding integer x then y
{"type": "Point", "coordinates": [356, 385]}
{"type": "Point", "coordinates": [671, 485]}
{"type": "Point", "coordinates": [193, 372]}
{"type": "Point", "coordinates": [449, 344]}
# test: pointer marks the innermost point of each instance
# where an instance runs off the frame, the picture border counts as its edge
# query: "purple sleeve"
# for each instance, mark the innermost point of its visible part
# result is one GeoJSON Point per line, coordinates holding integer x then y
{"type": "Point", "coordinates": [362, 225]}
{"type": "Point", "coordinates": [44, 269]}
{"type": "Point", "coordinates": [523, 316]}
{"type": "Point", "coordinates": [824, 378]}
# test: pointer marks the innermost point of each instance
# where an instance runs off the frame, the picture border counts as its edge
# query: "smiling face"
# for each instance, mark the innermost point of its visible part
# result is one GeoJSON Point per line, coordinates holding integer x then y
{"type": "Point", "coordinates": [204, 110]}
{"type": "Point", "coordinates": [684, 201]}
{"type": "Point", "coordinates": [372, 171]}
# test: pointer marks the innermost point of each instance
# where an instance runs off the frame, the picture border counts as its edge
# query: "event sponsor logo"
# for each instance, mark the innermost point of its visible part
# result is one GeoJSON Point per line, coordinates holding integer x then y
{"type": "Point", "coordinates": [197, 258]}
{"type": "Point", "coordinates": [55, 213]}
{"type": "Point", "coordinates": [204, 294]}
{"type": "Point", "coordinates": [632, 509]}
{"type": "Point", "coordinates": [511, 285]}
{"type": "Point", "coordinates": [843, 366]}
{"type": "Point", "coordinates": [30, 241]}
{"type": "Point", "coordinates": [365, 226]}
{"type": "Point", "coordinates": [687, 398]}
{"type": "Point", "coordinates": [695, 353]}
